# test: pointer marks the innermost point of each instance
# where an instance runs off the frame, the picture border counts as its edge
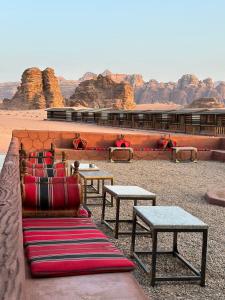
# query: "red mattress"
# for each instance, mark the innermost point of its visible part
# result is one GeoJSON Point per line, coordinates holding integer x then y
{"type": "Point", "coordinates": [70, 246]}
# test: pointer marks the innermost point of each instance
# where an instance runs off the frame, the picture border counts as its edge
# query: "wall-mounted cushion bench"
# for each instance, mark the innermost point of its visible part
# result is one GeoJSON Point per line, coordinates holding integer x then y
{"type": "Point", "coordinates": [70, 246]}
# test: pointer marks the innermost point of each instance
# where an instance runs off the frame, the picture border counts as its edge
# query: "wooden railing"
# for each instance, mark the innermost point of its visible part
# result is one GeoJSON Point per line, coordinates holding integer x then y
{"type": "Point", "coordinates": [220, 130]}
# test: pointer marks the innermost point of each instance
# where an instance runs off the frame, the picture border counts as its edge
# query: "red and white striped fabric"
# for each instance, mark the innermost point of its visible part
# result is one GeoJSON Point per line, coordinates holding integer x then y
{"type": "Point", "coordinates": [70, 246]}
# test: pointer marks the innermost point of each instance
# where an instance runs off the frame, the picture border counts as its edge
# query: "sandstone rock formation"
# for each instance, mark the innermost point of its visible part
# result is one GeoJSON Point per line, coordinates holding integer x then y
{"type": "Point", "coordinates": [38, 90]}
{"type": "Point", "coordinates": [51, 89]}
{"type": "Point", "coordinates": [206, 103]}
{"type": "Point", "coordinates": [103, 92]}
{"type": "Point", "coordinates": [183, 92]}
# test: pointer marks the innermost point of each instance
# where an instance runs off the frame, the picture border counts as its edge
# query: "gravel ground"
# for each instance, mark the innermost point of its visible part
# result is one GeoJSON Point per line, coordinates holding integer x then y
{"type": "Point", "coordinates": [184, 185]}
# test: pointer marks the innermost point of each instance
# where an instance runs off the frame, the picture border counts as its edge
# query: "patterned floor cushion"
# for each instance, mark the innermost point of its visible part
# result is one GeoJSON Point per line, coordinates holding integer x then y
{"type": "Point", "coordinates": [70, 246]}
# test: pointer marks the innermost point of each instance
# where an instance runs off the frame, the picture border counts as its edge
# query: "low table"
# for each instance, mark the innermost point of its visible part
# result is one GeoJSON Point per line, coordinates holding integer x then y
{"type": "Point", "coordinates": [83, 167]}
{"type": "Point", "coordinates": [124, 193]}
{"type": "Point", "coordinates": [100, 177]}
{"type": "Point", "coordinates": [169, 219]}
{"type": "Point", "coordinates": [176, 150]}
{"type": "Point", "coordinates": [115, 149]}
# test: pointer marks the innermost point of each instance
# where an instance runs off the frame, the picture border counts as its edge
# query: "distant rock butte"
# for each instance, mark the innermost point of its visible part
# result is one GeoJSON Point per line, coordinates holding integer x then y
{"type": "Point", "coordinates": [187, 89]}
{"type": "Point", "coordinates": [103, 92]}
{"type": "Point", "coordinates": [38, 90]}
{"type": "Point", "coordinates": [205, 103]}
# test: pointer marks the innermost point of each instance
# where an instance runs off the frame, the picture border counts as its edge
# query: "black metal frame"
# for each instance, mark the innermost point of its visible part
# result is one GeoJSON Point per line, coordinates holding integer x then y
{"type": "Point", "coordinates": [199, 275]}
{"type": "Point", "coordinates": [117, 220]}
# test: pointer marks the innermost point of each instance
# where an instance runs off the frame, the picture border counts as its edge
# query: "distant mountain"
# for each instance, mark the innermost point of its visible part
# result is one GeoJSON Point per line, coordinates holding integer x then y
{"type": "Point", "coordinates": [187, 89]}
{"type": "Point", "coordinates": [8, 89]}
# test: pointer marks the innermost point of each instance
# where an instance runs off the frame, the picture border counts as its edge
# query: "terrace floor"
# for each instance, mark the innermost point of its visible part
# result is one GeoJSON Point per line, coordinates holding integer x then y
{"type": "Point", "coordinates": [183, 185]}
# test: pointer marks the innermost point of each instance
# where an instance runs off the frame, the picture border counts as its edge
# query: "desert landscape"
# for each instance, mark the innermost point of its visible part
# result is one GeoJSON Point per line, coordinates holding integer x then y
{"type": "Point", "coordinates": [112, 150]}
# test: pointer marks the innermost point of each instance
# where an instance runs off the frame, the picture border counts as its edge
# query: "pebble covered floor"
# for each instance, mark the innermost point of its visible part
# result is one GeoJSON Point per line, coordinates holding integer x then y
{"type": "Point", "coordinates": [184, 185]}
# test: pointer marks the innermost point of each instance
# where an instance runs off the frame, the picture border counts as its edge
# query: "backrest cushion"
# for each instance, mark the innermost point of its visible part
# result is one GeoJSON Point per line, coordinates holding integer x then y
{"type": "Point", "coordinates": [41, 157]}
{"type": "Point", "coordinates": [59, 165]}
{"type": "Point", "coordinates": [56, 193]}
{"type": "Point", "coordinates": [46, 172]}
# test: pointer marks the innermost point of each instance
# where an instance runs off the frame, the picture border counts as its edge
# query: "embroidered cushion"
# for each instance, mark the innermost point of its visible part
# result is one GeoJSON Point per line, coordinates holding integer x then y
{"type": "Point", "coordinates": [70, 246]}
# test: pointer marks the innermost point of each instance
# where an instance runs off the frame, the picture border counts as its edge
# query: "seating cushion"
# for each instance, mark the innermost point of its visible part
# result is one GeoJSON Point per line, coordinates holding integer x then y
{"type": "Point", "coordinates": [58, 165]}
{"type": "Point", "coordinates": [79, 144]}
{"type": "Point", "coordinates": [46, 172]}
{"type": "Point", "coordinates": [122, 143]}
{"type": "Point", "coordinates": [70, 246]}
{"type": "Point", "coordinates": [41, 157]}
{"type": "Point", "coordinates": [54, 180]}
{"type": "Point", "coordinates": [51, 193]}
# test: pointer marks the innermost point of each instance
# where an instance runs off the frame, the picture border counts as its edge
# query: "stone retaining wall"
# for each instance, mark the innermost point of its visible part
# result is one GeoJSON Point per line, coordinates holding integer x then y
{"type": "Point", "coordinates": [37, 139]}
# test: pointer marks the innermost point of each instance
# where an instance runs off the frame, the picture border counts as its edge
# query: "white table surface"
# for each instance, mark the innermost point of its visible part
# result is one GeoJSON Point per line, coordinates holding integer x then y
{"type": "Point", "coordinates": [129, 191]}
{"type": "Point", "coordinates": [169, 217]}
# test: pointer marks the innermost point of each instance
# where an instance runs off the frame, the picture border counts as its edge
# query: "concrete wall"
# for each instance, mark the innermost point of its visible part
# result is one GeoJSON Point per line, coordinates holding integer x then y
{"type": "Point", "coordinates": [11, 246]}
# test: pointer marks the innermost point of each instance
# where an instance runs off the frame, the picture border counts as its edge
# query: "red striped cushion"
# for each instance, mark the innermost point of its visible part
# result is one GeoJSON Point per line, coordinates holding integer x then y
{"type": "Point", "coordinates": [41, 157]}
{"type": "Point", "coordinates": [46, 172]}
{"type": "Point", "coordinates": [42, 195]}
{"type": "Point", "coordinates": [70, 246]}
{"type": "Point", "coordinates": [58, 165]}
{"type": "Point", "coordinates": [53, 180]}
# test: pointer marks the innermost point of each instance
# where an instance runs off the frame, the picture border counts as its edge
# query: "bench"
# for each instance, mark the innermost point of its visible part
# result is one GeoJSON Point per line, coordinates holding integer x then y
{"type": "Point", "coordinates": [176, 150]}
{"type": "Point", "coordinates": [15, 279]}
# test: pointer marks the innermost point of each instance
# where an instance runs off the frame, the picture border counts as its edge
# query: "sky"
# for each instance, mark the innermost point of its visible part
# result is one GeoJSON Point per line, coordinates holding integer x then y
{"type": "Point", "coordinates": [160, 39]}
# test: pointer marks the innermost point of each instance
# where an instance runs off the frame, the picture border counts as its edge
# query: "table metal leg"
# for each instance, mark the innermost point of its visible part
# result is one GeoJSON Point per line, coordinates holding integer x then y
{"type": "Point", "coordinates": [175, 243]}
{"type": "Point", "coordinates": [103, 206]}
{"type": "Point", "coordinates": [133, 233]}
{"type": "Point", "coordinates": [111, 195]}
{"type": "Point", "coordinates": [154, 202]}
{"type": "Point", "coordinates": [154, 253]}
{"type": "Point", "coordinates": [98, 186]}
{"type": "Point", "coordinates": [85, 192]}
{"type": "Point", "coordinates": [204, 252]}
{"type": "Point", "coordinates": [117, 218]}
